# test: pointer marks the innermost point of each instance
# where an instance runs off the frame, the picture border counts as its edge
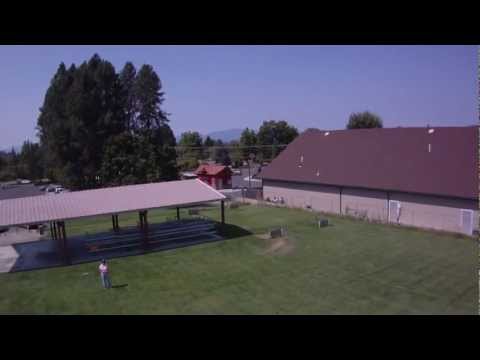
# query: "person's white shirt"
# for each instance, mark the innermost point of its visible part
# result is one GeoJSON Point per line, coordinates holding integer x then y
{"type": "Point", "coordinates": [103, 268]}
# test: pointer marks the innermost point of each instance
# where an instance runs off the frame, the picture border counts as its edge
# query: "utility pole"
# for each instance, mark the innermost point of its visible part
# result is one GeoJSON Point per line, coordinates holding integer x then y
{"type": "Point", "coordinates": [250, 160]}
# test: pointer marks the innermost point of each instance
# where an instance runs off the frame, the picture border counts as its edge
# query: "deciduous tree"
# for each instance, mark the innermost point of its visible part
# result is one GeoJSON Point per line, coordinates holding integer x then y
{"type": "Point", "coordinates": [190, 150]}
{"type": "Point", "coordinates": [273, 133]}
{"type": "Point", "coordinates": [364, 120]}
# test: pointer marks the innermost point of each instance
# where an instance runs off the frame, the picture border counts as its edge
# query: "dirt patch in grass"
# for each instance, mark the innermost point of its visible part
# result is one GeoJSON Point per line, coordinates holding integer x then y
{"type": "Point", "coordinates": [277, 246]}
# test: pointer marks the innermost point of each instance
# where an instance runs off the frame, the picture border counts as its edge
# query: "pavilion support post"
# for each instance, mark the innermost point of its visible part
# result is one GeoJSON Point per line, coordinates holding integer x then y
{"type": "Point", "coordinates": [115, 223]}
{"type": "Point", "coordinates": [222, 207]}
{"type": "Point", "coordinates": [65, 244]}
{"type": "Point", "coordinates": [144, 228]}
{"type": "Point", "coordinates": [145, 219]}
{"type": "Point", "coordinates": [57, 239]}
{"type": "Point", "coordinates": [140, 218]}
{"type": "Point", "coordinates": [178, 213]}
{"type": "Point", "coordinates": [62, 239]}
{"type": "Point", "coordinates": [55, 232]}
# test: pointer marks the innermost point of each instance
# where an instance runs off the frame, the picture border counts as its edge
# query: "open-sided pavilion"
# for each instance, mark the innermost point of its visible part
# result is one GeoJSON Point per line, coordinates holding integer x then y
{"type": "Point", "coordinates": [56, 209]}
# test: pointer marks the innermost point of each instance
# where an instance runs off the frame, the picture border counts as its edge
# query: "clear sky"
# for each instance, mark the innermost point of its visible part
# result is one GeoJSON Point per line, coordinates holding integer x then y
{"type": "Point", "coordinates": [210, 88]}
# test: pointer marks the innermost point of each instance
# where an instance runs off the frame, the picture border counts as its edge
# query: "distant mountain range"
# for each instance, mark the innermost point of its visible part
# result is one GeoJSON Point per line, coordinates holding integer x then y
{"type": "Point", "coordinates": [226, 135]}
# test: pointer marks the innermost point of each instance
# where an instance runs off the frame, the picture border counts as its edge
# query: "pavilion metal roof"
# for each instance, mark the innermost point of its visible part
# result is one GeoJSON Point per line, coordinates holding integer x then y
{"type": "Point", "coordinates": [114, 200]}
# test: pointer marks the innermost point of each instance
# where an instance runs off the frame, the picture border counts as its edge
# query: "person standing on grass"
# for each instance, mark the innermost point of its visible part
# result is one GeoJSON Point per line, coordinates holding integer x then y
{"type": "Point", "coordinates": [103, 268]}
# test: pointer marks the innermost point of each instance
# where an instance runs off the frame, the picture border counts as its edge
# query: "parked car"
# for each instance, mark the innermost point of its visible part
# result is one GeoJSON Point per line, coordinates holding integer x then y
{"type": "Point", "coordinates": [54, 189]}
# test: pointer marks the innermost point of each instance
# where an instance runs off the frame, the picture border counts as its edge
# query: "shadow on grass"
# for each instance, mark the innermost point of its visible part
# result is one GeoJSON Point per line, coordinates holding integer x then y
{"type": "Point", "coordinates": [119, 286]}
{"type": "Point", "coordinates": [230, 231]}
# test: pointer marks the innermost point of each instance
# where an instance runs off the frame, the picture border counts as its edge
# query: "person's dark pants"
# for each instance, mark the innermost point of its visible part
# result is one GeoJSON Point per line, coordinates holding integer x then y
{"type": "Point", "coordinates": [106, 280]}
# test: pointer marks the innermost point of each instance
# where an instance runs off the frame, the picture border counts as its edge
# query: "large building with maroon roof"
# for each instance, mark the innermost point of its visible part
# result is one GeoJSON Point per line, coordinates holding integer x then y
{"type": "Point", "coordinates": [423, 177]}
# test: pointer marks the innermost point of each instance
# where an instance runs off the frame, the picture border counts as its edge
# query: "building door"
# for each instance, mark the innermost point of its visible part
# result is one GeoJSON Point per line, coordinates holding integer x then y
{"type": "Point", "coordinates": [393, 211]}
{"type": "Point", "coordinates": [466, 221]}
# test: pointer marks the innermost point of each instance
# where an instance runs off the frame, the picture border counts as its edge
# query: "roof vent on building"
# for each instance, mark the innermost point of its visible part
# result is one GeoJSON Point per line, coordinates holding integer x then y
{"type": "Point", "coordinates": [318, 172]}
{"type": "Point", "coordinates": [301, 159]}
{"type": "Point", "coordinates": [431, 131]}
{"type": "Point", "coordinates": [429, 147]}
{"type": "Point", "coordinates": [327, 133]}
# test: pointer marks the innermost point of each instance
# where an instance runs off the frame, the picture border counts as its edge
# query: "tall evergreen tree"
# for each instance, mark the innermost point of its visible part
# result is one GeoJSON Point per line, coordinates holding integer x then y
{"type": "Point", "coordinates": [120, 161]}
{"type": "Point", "coordinates": [52, 123]}
{"type": "Point", "coordinates": [30, 161]}
{"type": "Point", "coordinates": [13, 164]}
{"type": "Point", "coordinates": [236, 154]}
{"type": "Point", "coordinates": [149, 99]}
{"type": "Point", "coordinates": [221, 154]}
{"type": "Point", "coordinates": [157, 138]}
{"type": "Point", "coordinates": [127, 82]}
{"type": "Point", "coordinates": [248, 141]}
{"type": "Point", "coordinates": [3, 163]}
{"type": "Point", "coordinates": [95, 124]}
{"type": "Point", "coordinates": [82, 109]}
{"type": "Point", "coordinates": [208, 143]}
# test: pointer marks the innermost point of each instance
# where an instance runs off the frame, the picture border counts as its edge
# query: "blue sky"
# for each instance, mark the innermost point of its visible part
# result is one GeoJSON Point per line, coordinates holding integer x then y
{"type": "Point", "coordinates": [210, 88]}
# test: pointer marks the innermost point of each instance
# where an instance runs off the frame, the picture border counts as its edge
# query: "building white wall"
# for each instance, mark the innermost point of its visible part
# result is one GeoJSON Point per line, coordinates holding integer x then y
{"type": "Point", "coordinates": [423, 211]}
{"type": "Point", "coordinates": [320, 198]}
{"type": "Point", "coordinates": [434, 212]}
{"type": "Point", "coordinates": [369, 203]}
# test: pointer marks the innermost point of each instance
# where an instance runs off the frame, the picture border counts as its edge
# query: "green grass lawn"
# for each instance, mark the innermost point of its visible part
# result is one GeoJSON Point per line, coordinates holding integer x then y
{"type": "Point", "coordinates": [350, 267]}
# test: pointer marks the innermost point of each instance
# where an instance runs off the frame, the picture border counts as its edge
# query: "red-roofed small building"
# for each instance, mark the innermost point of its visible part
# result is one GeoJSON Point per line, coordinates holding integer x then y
{"type": "Point", "coordinates": [217, 176]}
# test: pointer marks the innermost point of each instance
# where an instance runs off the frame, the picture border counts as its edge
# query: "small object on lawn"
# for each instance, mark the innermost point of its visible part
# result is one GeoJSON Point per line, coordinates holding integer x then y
{"type": "Point", "coordinates": [85, 274]}
{"type": "Point", "coordinates": [323, 223]}
{"type": "Point", "coordinates": [275, 233]}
